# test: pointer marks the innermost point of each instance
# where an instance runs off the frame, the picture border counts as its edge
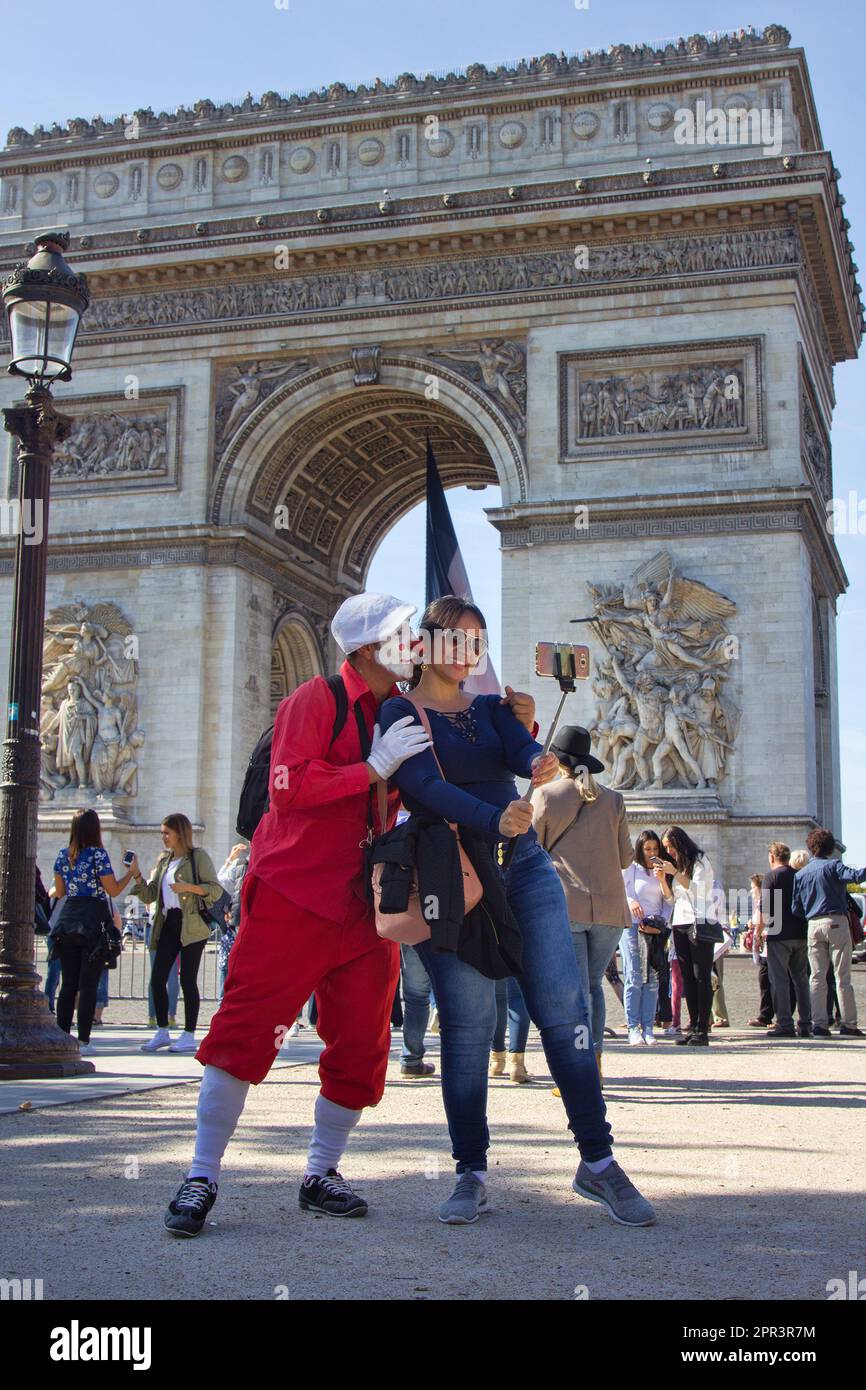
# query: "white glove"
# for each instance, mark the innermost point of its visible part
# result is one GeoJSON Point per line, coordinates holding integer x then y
{"type": "Point", "coordinates": [390, 750]}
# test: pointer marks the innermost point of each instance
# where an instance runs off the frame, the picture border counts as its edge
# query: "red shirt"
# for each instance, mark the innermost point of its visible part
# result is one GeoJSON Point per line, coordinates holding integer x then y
{"type": "Point", "coordinates": [308, 845]}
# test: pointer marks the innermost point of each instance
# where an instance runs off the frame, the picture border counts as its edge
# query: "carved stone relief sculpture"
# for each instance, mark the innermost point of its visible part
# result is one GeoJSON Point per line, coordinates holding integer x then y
{"type": "Point", "coordinates": [244, 386]}
{"type": "Point", "coordinates": [707, 395]}
{"type": "Point", "coordinates": [662, 717]}
{"type": "Point", "coordinates": [89, 717]}
{"type": "Point", "coordinates": [498, 367]}
{"type": "Point", "coordinates": [113, 445]}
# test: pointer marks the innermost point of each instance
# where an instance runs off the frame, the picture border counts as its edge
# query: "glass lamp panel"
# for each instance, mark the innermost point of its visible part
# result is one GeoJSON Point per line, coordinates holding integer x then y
{"type": "Point", "coordinates": [43, 336]}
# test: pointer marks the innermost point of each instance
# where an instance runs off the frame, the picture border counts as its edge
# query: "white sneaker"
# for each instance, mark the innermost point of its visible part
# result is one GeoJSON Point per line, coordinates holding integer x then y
{"type": "Point", "coordinates": [649, 1037]}
{"type": "Point", "coordinates": [635, 1037]}
{"type": "Point", "coordinates": [86, 1049]}
{"type": "Point", "coordinates": [161, 1038]}
{"type": "Point", "coordinates": [294, 1030]}
{"type": "Point", "coordinates": [673, 1032]}
{"type": "Point", "coordinates": [185, 1043]}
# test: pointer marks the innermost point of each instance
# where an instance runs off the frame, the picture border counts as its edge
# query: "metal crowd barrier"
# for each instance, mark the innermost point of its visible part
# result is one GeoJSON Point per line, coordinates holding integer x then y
{"type": "Point", "coordinates": [131, 977]}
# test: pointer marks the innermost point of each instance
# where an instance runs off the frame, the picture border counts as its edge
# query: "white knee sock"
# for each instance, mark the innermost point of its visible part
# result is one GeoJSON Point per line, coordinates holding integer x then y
{"type": "Point", "coordinates": [332, 1125]}
{"type": "Point", "coordinates": [220, 1102]}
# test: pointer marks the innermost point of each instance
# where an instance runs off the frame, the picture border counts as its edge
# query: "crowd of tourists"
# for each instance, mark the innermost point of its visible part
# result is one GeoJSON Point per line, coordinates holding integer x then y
{"type": "Point", "coordinates": [393, 857]}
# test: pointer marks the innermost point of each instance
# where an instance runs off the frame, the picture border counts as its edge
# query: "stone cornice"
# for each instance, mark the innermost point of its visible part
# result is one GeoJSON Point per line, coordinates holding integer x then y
{"type": "Point", "coordinates": [735, 512]}
{"type": "Point", "coordinates": [182, 546]}
{"type": "Point", "coordinates": [612, 206]}
{"type": "Point", "coordinates": [601, 195]}
{"type": "Point", "coordinates": [541, 75]}
{"type": "Point", "coordinates": [48, 158]}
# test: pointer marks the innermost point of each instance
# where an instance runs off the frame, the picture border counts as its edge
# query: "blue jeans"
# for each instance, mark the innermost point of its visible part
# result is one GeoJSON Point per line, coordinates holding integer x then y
{"type": "Point", "coordinates": [593, 950]}
{"type": "Point", "coordinates": [102, 991]}
{"type": "Point", "coordinates": [416, 1004]}
{"type": "Point", "coordinates": [52, 980]}
{"type": "Point", "coordinates": [511, 1009]}
{"type": "Point", "coordinates": [556, 1001]}
{"type": "Point", "coordinates": [640, 996]}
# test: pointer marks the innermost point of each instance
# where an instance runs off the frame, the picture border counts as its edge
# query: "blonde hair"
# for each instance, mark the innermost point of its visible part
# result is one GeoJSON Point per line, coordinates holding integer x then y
{"type": "Point", "coordinates": [799, 858]}
{"type": "Point", "coordinates": [583, 780]}
{"type": "Point", "coordinates": [181, 826]}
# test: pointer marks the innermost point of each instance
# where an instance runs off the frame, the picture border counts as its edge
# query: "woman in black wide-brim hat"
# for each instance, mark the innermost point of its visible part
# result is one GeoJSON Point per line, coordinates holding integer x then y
{"type": "Point", "coordinates": [584, 829]}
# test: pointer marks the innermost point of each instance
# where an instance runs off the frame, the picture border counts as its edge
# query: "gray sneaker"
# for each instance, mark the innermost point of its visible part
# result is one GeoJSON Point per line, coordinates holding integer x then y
{"type": "Point", "coordinates": [466, 1203]}
{"type": "Point", "coordinates": [616, 1192]}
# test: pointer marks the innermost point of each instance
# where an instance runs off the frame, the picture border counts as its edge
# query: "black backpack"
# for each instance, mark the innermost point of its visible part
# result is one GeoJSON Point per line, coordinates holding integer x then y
{"type": "Point", "coordinates": [254, 800]}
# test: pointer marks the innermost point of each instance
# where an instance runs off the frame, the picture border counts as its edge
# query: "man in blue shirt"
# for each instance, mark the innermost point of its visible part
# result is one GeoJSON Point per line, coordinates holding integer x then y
{"type": "Point", "coordinates": [819, 896]}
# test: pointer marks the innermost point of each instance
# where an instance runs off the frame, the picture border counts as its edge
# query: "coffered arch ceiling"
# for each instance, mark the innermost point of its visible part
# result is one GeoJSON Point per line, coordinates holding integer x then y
{"type": "Point", "coordinates": [350, 468]}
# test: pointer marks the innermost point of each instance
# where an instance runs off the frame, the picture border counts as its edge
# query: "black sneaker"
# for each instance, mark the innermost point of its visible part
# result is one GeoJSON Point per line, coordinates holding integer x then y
{"type": "Point", "coordinates": [188, 1212]}
{"type": "Point", "coordinates": [699, 1040]}
{"type": "Point", "coordinates": [804, 1030]}
{"type": "Point", "coordinates": [417, 1068]}
{"type": "Point", "coordinates": [330, 1195]}
{"type": "Point", "coordinates": [685, 1039]}
{"type": "Point", "coordinates": [845, 1031]}
{"type": "Point", "coordinates": [778, 1032]}
{"type": "Point", "coordinates": [820, 1032]}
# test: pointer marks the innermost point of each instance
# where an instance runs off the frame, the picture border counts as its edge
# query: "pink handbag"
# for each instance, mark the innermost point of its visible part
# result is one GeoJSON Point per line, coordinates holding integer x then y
{"type": "Point", "coordinates": [411, 927]}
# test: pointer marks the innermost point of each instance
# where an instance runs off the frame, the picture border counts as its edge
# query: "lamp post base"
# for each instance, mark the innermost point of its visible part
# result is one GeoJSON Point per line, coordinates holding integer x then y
{"type": "Point", "coordinates": [31, 1044]}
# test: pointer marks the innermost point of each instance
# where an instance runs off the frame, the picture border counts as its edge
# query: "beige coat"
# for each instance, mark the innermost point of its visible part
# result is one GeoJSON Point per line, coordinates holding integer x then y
{"type": "Point", "coordinates": [591, 855]}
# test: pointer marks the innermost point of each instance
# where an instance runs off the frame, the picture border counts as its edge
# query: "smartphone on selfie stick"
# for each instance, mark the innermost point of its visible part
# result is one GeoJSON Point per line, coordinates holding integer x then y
{"type": "Point", "coordinates": [565, 663]}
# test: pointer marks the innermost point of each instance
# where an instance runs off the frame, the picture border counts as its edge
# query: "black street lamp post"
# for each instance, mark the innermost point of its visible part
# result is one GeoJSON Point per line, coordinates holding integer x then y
{"type": "Point", "coordinates": [44, 301]}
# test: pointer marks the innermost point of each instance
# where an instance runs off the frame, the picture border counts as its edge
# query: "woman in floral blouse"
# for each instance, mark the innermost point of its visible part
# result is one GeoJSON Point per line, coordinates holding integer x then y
{"type": "Point", "coordinates": [84, 877]}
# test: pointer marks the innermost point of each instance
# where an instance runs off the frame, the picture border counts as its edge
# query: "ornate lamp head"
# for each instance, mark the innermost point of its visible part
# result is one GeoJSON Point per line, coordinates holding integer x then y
{"type": "Point", "coordinates": [44, 300]}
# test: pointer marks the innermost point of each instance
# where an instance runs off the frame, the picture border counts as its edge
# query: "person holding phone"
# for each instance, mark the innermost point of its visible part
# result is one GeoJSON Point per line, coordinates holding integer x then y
{"type": "Point", "coordinates": [183, 882]}
{"type": "Point", "coordinates": [84, 884]}
{"type": "Point", "coordinates": [696, 932]}
{"type": "Point", "coordinates": [481, 746]}
{"type": "Point", "coordinates": [650, 901]}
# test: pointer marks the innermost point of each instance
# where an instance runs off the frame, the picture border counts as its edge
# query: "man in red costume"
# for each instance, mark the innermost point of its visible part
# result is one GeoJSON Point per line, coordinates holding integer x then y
{"type": "Point", "coordinates": [306, 924]}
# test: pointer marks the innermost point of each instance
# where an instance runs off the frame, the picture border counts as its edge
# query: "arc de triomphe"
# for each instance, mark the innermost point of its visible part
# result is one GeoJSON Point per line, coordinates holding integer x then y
{"type": "Point", "coordinates": [558, 272]}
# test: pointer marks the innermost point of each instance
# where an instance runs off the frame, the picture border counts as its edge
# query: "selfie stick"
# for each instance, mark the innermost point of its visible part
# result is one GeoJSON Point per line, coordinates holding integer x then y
{"type": "Point", "coordinates": [568, 687]}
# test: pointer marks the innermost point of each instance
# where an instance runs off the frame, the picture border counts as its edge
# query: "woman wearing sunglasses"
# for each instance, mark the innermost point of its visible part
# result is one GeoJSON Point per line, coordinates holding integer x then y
{"type": "Point", "coordinates": [481, 746]}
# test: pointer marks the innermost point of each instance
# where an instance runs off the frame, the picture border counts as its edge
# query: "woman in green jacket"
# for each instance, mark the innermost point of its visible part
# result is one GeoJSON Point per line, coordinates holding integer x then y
{"type": "Point", "coordinates": [182, 883]}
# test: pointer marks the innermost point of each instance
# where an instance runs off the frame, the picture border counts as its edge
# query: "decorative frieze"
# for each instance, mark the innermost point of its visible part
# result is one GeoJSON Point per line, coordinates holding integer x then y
{"type": "Point", "coordinates": [682, 524]}
{"type": "Point", "coordinates": [435, 281]}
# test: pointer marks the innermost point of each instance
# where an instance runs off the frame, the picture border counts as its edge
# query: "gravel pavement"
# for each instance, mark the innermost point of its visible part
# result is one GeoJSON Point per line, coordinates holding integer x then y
{"type": "Point", "coordinates": [750, 1151]}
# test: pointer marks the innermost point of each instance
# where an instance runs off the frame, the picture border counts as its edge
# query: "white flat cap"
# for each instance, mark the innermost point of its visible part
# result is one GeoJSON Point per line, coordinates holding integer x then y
{"type": "Point", "coordinates": [367, 618]}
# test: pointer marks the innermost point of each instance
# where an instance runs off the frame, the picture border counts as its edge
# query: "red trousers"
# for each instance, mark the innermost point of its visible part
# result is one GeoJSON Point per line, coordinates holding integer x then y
{"type": "Point", "coordinates": [281, 956]}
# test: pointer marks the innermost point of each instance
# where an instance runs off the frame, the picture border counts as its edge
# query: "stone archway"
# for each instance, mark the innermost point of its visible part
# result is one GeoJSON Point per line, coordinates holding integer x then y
{"type": "Point", "coordinates": [295, 657]}
{"type": "Point", "coordinates": [344, 462]}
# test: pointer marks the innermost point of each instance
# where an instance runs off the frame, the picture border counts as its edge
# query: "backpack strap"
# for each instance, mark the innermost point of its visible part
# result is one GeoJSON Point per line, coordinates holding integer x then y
{"type": "Point", "coordinates": [337, 688]}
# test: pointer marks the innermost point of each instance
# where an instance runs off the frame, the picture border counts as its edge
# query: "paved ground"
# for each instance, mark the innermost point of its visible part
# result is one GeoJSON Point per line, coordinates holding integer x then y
{"type": "Point", "coordinates": [751, 1151]}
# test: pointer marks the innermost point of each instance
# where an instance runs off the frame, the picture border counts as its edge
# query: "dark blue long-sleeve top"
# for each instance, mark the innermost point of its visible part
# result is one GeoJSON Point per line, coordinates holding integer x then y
{"type": "Point", "coordinates": [479, 775]}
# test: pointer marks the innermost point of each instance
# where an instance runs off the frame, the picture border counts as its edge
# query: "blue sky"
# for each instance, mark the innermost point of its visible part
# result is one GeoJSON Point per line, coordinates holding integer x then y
{"type": "Point", "coordinates": [110, 58]}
